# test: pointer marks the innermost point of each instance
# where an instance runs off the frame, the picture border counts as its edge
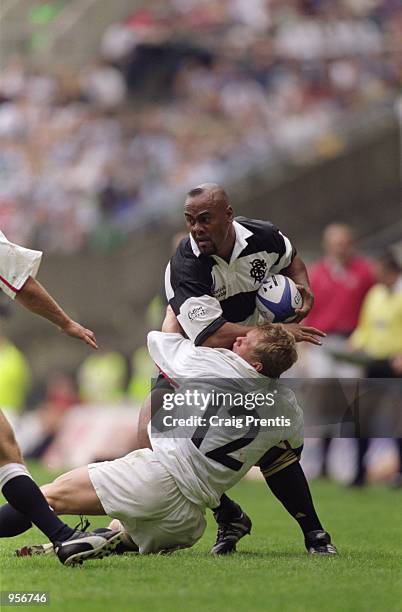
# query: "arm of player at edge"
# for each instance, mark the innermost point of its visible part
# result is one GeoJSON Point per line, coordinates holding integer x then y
{"type": "Point", "coordinates": [226, 335]}
{"type": "Point", "coordinates": [35, 298]}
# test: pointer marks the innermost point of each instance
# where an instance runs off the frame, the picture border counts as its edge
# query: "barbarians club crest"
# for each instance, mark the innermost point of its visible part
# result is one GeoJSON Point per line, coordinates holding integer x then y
{"type": "Point", "coordinates": [258, 270]}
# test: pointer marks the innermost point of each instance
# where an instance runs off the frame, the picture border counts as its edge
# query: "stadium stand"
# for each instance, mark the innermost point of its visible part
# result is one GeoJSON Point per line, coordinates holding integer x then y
{"type": "Point", "coordinates": [229, 87]}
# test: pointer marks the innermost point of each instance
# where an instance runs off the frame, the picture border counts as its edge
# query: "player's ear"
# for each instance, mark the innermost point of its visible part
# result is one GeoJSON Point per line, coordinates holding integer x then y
{"type": "Point", "coordinates": [257, 366]}
{"type": "Point", "coordinates": [230, 212]}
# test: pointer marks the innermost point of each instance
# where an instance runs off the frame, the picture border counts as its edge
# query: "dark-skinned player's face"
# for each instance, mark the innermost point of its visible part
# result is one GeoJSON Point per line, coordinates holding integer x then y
{"type": "Point", "coordinates": [209, 222]}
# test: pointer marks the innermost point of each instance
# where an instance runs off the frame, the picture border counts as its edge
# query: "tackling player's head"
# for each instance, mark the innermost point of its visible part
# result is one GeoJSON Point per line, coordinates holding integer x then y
{"type": "Point", "coordinates": [209, 218]}
{"type": "Point", "coordinates": [269, 348]}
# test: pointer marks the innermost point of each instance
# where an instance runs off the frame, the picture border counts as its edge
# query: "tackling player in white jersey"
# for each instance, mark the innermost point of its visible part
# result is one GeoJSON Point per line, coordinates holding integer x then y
{"type": "Point", "coordinates": [160, 494]}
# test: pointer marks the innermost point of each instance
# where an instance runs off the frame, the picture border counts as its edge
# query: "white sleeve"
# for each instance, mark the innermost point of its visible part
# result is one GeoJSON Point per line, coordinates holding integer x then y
{"type": "Point", "coordinates": [198, 312]}
{"type": "Point", "coordinates": [170, 352]}
{"type": "Point", "coordinates": [200, 317]}
{"type": "Point", "coordinates": [16, 265]}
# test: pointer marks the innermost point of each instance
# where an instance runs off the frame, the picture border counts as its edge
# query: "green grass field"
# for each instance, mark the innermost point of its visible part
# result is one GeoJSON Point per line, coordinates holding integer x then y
{"type": "Point", "coordinates": [271, 571]}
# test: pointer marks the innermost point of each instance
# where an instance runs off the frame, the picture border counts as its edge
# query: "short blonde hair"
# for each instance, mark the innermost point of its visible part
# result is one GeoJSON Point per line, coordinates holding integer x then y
{"type": "Point", "coordinates": [275, 349]}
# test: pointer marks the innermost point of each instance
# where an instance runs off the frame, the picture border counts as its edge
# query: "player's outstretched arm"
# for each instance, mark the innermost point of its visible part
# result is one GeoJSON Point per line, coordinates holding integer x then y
{"type": "Point", "coordinates": [226, 335]}
{"type": "Point", "coordinates": [297, 271]}
{"type": "Point", "coordinates": [35, 298]}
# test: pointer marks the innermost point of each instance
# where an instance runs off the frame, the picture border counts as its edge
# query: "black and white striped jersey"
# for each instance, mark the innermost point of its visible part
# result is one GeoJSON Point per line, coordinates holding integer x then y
{"type": "Point", "coordinates": [206, 291]}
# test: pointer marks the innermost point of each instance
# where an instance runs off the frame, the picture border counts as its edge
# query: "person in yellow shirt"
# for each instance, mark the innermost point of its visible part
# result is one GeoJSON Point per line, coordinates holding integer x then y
{"type": "Point", "coordinates": [379, 335]}
{"type": "Point", "coordinates": [379, 330]}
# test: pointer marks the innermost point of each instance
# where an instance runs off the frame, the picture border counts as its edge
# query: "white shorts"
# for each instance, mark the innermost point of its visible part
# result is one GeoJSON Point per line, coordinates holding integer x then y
{"type": "Point", "coordinates": [138, 491]}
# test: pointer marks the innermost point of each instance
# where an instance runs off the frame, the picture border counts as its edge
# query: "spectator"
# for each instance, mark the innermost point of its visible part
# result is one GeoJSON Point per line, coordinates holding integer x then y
{"type": "Point", "coordinates": [102, 378]}
{"type": "Point", "coordinates": [234, 86]}
{"type": "Point", "coordinates": [339, 282]}
{"type": "Point", "coordinates": [117, 43]}
{"type": "Point", "coordinates": [104, 86]}
{"type": "Point", "coordinates": [379, 336]}
{"type": "Point", "coordinates": [38, 428]}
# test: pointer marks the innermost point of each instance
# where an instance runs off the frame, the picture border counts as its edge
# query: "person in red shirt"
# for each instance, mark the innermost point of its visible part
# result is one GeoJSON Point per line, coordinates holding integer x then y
{"type": "Point", "coordinates": [340, 282]}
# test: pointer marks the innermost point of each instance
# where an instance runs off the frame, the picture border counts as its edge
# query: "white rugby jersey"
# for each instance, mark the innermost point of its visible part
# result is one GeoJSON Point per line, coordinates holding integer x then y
{"type": "Point", "coordinates": [207, 461]}
{"type": "Point", "coordinates": [206, 291]}
{"type": "Point", "coordinates": [16, 264]}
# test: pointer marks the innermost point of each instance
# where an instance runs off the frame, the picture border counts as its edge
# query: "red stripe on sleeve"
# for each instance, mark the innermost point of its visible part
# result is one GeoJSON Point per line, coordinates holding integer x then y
{"type": "Point", "coordinates": [172, 382]}
{"type": "Point", "coordinates": [3, 280]}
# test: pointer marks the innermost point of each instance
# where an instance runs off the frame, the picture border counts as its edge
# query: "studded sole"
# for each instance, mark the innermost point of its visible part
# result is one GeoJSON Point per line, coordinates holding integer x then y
{"type": "Point", "coordinates": [98, 553]}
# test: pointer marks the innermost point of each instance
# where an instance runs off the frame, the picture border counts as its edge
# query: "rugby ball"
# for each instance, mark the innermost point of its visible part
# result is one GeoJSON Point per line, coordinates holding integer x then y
{"type": "Point", "coordinates": [277, 299]}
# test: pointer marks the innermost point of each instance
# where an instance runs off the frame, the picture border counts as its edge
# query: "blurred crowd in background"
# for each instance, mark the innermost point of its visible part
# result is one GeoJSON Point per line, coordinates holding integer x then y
{"type": "Point", "coordinates": [181, 90]}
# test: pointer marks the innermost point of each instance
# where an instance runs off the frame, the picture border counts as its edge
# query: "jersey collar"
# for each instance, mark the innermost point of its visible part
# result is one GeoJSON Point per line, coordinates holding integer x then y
{"type": "Point", "coordinates": [242, 233]}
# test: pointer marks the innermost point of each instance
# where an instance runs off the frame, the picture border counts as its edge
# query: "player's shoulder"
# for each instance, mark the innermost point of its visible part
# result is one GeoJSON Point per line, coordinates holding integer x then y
{"type": "Point", "coordinates": [288, 397]}
{"type": "Point", "coordinates": [184, 253]}
{"type": "Point", "coordinates": [257, 226]}
{"type": "Point", "coordinates": [159, 338]}
{"type": "Point", "coordinates": [185, 266]}
{"type": "Point", "coordinates": [184, 262]}
{"type": "Point", "coordinates": [264, 234]}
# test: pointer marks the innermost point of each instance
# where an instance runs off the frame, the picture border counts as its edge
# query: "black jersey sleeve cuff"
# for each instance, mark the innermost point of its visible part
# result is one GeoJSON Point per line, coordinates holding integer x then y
{"type": "Point", "coordinates": [208, 331]}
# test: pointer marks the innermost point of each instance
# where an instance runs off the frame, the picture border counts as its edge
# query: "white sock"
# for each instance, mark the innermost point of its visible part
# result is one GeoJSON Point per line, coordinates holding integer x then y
{"type": "Point", "coordinates": [12, 470]}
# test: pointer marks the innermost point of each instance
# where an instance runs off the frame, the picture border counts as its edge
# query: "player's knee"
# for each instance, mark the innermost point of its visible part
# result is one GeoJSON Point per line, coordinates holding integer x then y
{"type": "Point", "coordinates": [50, 494]}
{"type": "Point", "coordinates": [57, 495]}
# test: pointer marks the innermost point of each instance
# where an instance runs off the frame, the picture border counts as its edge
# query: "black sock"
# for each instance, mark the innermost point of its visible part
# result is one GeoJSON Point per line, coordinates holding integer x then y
{"type": "Point", "coordinates": [291, 488]}
{"type": "Point", "coordinates": [227, 510]}
{"type": "Point", "coordinates": [12, 522]}
{"type": "Point", "coordinates": [26, 497]}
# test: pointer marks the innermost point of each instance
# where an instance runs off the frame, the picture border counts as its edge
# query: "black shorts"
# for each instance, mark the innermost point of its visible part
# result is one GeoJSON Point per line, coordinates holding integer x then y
{"type": "Point", "coordinates": [278, 458]}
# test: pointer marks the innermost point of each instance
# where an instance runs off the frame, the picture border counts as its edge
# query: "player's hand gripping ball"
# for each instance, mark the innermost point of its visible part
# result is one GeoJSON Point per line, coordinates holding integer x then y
{"type": "Point", "coordinates": [277, 299]}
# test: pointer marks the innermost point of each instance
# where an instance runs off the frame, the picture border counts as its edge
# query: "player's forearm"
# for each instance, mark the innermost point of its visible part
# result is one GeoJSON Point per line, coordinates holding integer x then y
{"type": "Point", "coordinates": [297, 271]}
{"type": "Point", "coordinates": [36, 299]}
{"type": "Point", "coordinates": [226, 335]}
